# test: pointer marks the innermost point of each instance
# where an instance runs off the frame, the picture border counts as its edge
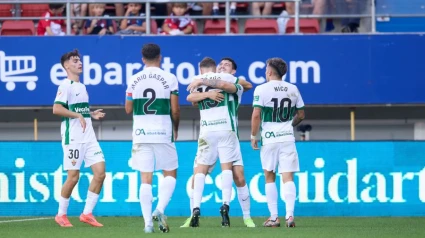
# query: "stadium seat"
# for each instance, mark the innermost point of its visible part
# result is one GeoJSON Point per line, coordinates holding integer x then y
{"type": "Point", "coordinates": [17, 28]}
{"type": "Point", "coordinates": [33, 10]}
{"type": "Point", "coordinates": [306, 26]}
{"type": "Point", "coordinates": [261, 26]}
{"type": "Point", "coordinates": [239, 5]}
{"type": "Point", "coordinates": [195, 27]}
{"type": "Point", "coordinates": [219, 27]}
{"type": "Point", "coordinates": [6, 10]}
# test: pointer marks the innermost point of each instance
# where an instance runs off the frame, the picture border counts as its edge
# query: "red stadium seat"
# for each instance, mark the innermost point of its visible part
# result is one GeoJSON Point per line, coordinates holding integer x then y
{"type": "Point", "coordinates": [306, 26]}
{"type": "Point", "coordinates": [239, 5]}
{"type": "Point", "coordinates": [278, 6]}
{"type": "Point", "coordinates": [261, 26]}
{"type": "Point", "coordinates": [219, 27]}
{"type": "Point", "coordinates": [6, 10]}
{"type": "Point", "coordinates": [195, 27]}
{"type": "Point", "coordinates": [33, 10]}
{"type": "Point", "coordinates": [18, 28]}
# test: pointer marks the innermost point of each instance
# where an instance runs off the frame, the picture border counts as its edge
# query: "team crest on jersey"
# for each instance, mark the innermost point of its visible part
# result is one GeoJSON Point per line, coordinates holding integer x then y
{"type": "Point", "coordinates": [256, 98]}
{"type": "Point", "coordinates": [73, 162]}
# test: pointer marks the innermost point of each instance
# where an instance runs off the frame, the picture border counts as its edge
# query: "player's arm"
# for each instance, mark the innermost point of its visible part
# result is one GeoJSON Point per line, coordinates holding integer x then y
{"type": "Point", "coordinates": [60, 110]}
{"type": "Point", "coordinates": [129, 103]}
{"type": "Point", "coordinates": [175, 113]}
{"type": "Point", "coordinates": [300, 115]}
{"type": "Point", "coordinates": [218, 84]}
{"type": "Point", "coordinates": [256, 117]}
{"type": "Point", "coordinates": [196, 97]}
{"type": "Point", "coordinates": [298, 118]}
{"type": "Point", "coordinates": [245, 84]}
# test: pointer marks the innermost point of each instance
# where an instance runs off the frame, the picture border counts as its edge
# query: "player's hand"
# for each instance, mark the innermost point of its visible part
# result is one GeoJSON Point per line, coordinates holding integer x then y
{"type": "Point", "coordinates": [194, 84]}
{"type": "Point", "coordinates": [215, 95]}
{"type": "Point", "coordinates": [82, 122]}
{"type": "Point", "coordinates": [98, 114]}
{"type": "Point", "coordinates": [254, 144]}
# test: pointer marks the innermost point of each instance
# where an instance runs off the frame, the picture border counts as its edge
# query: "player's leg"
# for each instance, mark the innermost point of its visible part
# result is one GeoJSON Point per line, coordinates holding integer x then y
{"type": "Point", "coordinates": [269, 160]}
{"type": "Point", "coordinates": [72, 164]}
{"type": "Point", "coordinates": [288, 164]}
{"type": "Point", "coordinates": [206, 156]}
{"type": "Point", "coordinates": [93, 157]}
{"type": "Point", "coordinates": [226, 183]}
{"type": "Point", "coordinates": [143, 161]}
{"type": "Point", "coordinates": [166, 160]}
{"type": "Point", "coordinates": [242, 189]}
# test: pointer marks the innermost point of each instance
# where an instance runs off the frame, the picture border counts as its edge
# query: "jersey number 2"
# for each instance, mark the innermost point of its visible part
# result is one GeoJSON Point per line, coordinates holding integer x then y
{"type": "Point", "coordinates": [149, 102]}
{"type": "Point", "coordinates": [279, 108]}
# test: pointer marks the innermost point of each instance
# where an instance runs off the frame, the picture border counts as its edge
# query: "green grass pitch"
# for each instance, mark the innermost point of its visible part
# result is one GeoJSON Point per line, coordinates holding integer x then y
{"type": "Point", "coordinates": [126, 227]}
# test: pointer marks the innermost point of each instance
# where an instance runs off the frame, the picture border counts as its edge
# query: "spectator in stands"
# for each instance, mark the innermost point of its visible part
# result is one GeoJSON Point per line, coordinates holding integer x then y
{"type": "Point", "coordinates": [99, 25]}
{"type": "Point", "coordinates": [179, 22]}
{"type": "Point", "coordinates": [350, 7]}
{"type": "Point", "coordinates": [133, 26]}
{"type": "Point", "coordinates": [216, 12]}
{"type": "Point", "coordinates": [52, 27]}
{"type": "Point", "coordinates": [78, 10]}
{"type": "Point", "coordinates": [266, 7]}
{"type": "Point", "coordinates": [319, 6]}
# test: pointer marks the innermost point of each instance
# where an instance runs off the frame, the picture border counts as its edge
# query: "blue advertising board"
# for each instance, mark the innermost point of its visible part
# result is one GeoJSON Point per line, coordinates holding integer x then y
{"type": "Point", "coordinates": [336, 179]}
{"type": "Point", "coordinates": [328, 69]}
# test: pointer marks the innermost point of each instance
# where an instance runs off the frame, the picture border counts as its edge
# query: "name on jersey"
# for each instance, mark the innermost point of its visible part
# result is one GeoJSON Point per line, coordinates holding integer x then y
{"type": "Point", "coordinates": [280, 89]}
{"type": "Point", "coordinates": [82, 110]}
{"type": "Point", "coordinates": [150, 76]}
{"type": "Point", "coordinates": [271, 134]}
{"type": "Point", "coordinates": [213, 122]}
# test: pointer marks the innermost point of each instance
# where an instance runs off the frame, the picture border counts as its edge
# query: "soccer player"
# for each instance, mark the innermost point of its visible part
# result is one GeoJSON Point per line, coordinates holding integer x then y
{"type": "Point", "coordinates": [218, 132]}
{"type": "Point", "coordinates": [228, 65]}
{"type": "Point", "coordinates": [152, 97]}
{"type": "Point", "coordinates": [79, 141]}
{"type": "Point", "coordinates": [278, 107]}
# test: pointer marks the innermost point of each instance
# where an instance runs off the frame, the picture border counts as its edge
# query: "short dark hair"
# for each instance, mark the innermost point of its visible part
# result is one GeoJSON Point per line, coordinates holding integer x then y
{"type": "Point", "coordinates": [180, 4]}
{"type": "Point", "coordinates": [67, 56]}
{"type": "Point", "coordinates": [151, 51]}
{"type": "Point", "coordinates": [278, 65]}
{"type": "Point", "coordinates": [207, 62]}
{"type": "Point", "coordinates": [234, 66]}
{"type": "Point", "coordinates": [55, 6]}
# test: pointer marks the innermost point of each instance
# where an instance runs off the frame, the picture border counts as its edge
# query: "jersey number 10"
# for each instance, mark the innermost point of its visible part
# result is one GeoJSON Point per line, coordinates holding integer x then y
{"type": "Point", "coordinates": [279, 110]}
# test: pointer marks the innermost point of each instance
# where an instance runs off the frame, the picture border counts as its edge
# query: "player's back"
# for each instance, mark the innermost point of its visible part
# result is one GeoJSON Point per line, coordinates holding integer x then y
{"type": "Point", "coordinates": [218, 116]}
{"type": "Point", "coordinates": [279, 101]}
{"type": "Point", "coordinates": [151, 91]}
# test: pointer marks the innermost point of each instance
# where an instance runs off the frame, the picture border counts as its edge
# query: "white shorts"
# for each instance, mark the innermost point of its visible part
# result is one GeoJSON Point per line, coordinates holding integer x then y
{"type": "Point", "coordinates": [218, 144]}
{"type": "Point", "coordinates": [211, 168]}
{"type": "Point", "coordinates": [75, 154]}
{"type": "Point", "coordinates": [150, 157]}
{"type": "Point", "coordinates": [282, 155]}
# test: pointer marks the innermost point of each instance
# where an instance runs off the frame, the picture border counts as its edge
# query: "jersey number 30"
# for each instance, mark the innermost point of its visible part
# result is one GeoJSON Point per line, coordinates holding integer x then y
{"type": "Point", "coordinates": [279, 109]}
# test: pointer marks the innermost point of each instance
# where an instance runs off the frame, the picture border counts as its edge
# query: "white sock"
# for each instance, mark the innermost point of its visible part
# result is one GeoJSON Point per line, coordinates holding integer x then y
{"type": "Point", "coordinates": [198, 190]}
{"type": "Point", "coordinates": [63, 206]}
{"type": "Point", "coordinates": [226, 183]}
{"type": "Point", "coordinates": [290, 193]}
{"type": "Point", "coordinates": [191, 200]}
{"type": "Point", "coordinates": [145, 196]}
{"type": "Point", "coordinates": [90, 202]}
{"type": "Point", "coordinates": [165, 191]}
{"type": "Point", "coordinates": [271, 195]}
{"type": "Point", "coordinates": [244, 201]}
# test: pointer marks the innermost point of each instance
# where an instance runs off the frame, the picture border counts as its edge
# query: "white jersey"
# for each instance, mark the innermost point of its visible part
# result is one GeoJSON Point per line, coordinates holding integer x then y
{"type": "Point", "coordinates": [221, 116]}
{"type": "Point", "coordinates": [151, 91]}
{"type": "Point", "coordinates": [73, 96]}
{"type": "Point", "coordinates": [278, 100]}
